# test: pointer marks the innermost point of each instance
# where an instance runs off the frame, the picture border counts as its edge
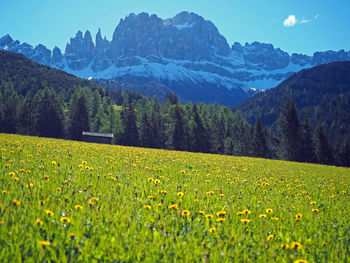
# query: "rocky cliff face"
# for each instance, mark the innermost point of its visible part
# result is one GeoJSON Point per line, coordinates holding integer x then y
{"type": "Point", "coordinates": [185, 50]}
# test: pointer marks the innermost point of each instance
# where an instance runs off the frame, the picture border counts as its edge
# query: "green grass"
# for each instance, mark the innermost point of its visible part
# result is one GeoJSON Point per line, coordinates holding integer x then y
{"type": "Point", "coordinates": [121, 222]}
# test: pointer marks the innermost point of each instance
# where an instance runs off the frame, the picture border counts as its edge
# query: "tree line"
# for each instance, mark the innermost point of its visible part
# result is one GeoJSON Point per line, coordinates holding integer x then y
{"type": "Point", "coordinates": [139, 121]}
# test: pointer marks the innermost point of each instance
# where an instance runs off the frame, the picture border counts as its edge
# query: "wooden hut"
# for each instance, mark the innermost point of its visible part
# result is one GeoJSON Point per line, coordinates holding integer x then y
{"type": "Point", "coordinates": [97, 137]}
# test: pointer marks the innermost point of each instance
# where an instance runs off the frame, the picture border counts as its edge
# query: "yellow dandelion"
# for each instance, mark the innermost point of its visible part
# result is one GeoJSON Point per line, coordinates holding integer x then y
{"type": "Point", "coordinates": [163, 192]}
{"type": "Point", "coordinates": [59, 188]}
{"type": "Point", "coordinates": [173, 206]}
{"type": "Point", "coordinates": [185, 213]}
{"type": "Point", "coordinates": [284, 246]}
{"type": "Point", "coordinates": [72, 235]}
{"type": "Point", "coordinates": [213, 229]}
{"type": "Point", "coordinates": [269, 211]}
{"type": "Point", "coordinates": [196, 200]}
{"type": "Point", "coordinates": [300, 261]}
{"type": "Point", "coordinates": [45, 243]}
{"type": "Point", "coordinates": [180, 194]}
{"type": "Point", "coordinates": [16, 202]}
{"type": "Point", "coordinates": [296, 245]}
{"type": "Point", "coordinates": [147, 207]}
{"type": "Point", "coordinates": [1, 222]}
{"type": "Point", "coordinates": [152, 197]}
{"type": "Point", "coordinates": [30, 185]}
{"type": "Point", "coordinates": [209, 216]}
{"type": "Point", "coordinates": [49, 212]}
{"type": "Point", "coordinates": [38, 222]}
{"type": "Point", "coordinates": [157, 181]}
{"type": "Point", "coordinates": [53, 163]}
{"type": "Point", "coordinates": [12, 174]}
{"type": "Point", "coordinates": [160, 205]}
{"type": "Point", "coordinates": [46, 177]}
{"type": "Point", "coordinates": [150, 179]}
{"type": "Point", "coordinates": [269, 237]}
{"type": "Point", "coordinates": [315, 210]}
{"type": "Point", "coordinates": [94, 198]}
{"type": "Point", "coordinates": [221, 213]}
{"type": "Point", "coordinates": [313, 203]}
{"type": "Point", "coordinates": [15, 178]}
{"type": "Point", "coordinates": [245, 221]}
{"type": "Point", "coordinates": [262, 216]}
{"type": "Point", "coordinates": [239, 213]}
{"type": "Point", "coordinates": [4, 192]}
{"type": "Point", "coordinates": [324, 244]}
{"type": "Point", "coordinates": [78, 207]}
{"type": "Point", "coordinates": [246, 212]}
{"type": "Point", "coordinates": [65, 219]}
{"type": "Point", "coordinates": [91, 203]}
{"type": "Point", "coordinates": [274, 218]}
{"type": "Point", "coordinates": [298, 217]}
{"type": "Point", "coordinates": [220, 220]}
{"type": "Point", "coordinates": [201, 212]}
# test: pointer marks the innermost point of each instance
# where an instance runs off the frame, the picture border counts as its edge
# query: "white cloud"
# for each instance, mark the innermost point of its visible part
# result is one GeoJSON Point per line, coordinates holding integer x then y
{"type": "Point", "coordinates": [290, 21]}
{"type": "Point", "coordinates": [303, 21]}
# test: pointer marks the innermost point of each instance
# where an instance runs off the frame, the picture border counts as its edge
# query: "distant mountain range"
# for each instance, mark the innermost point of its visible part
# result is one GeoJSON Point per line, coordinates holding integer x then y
{"type": "Point", "coordinates": [185, 54]}
{"type": "Point", "coordinates": [322, 92]}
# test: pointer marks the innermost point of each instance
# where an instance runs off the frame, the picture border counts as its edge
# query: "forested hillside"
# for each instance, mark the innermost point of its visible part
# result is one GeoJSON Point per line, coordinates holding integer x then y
{"type": "Point", "coordinates": [322, 92]}
{"type": "Point", "coordinates": [36, 100]}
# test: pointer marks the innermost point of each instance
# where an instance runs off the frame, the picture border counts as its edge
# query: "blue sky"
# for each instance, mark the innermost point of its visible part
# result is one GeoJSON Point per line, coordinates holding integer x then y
{"type": "Point", "coordinates": [298, 26]}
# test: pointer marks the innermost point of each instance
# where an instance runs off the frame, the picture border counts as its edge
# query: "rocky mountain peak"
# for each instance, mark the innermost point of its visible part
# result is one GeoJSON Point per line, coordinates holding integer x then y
{"type": "Point", "coordinates": [80, 51]}
{"type": "Point", "coordinates": [6, 40]}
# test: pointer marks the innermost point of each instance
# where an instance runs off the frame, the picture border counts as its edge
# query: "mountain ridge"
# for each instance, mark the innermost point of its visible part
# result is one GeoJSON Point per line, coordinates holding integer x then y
{"type": "Point", "coordinates": [184, 52]}
{"type": "Point", "coordinates": [321, 92]}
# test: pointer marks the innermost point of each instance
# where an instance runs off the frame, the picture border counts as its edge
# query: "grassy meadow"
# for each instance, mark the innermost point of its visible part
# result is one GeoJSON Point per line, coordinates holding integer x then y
{"type": "Point", "coordinates": [71, 201]}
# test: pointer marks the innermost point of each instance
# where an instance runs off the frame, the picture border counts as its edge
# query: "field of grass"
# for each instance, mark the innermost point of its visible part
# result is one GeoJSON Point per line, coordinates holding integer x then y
{"type": "Point", "coordinates": [70, 201]}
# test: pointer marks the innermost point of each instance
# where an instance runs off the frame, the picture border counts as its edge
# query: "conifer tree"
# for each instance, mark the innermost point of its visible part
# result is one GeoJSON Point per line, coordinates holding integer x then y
{"type": "Point", "coordinates": [130, 135]}
{"type": "Point", "coordinates": [260, 146]}
{"type": "Point", "coordinates": [289, 133]}
{"type": "Point", "coordinates": [307, 144]}
{"type": "Point", "coordinates": [50, 116]}
{"type": "Point", "coordinates": [9, 116]}
{"type": "Point", "coordinates": [28, 116]}
{"type": "Point", "coordinates": [199, 134]}
{"type": "Point", "coordinates": [324, 151]}
{"type": "Point", "coordinates": [178, 133]}
{"type": "Point", "coordinates": [79, 119]}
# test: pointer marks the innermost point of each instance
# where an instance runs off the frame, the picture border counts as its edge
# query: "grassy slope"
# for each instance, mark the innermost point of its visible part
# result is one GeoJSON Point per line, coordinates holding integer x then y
{"type": "Point", "coordinates": [126, 224]}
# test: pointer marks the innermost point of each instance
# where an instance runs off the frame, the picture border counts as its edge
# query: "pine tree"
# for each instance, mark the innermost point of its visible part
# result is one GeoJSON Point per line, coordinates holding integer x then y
{"type": "Point", "coordinates": [145, 131]}
{"type": "Point", "coordinates": [199, 134]}
{"type": "Point", "coordinates": [157, 126]}
{"type": "Point", "coordinates": [307, 144]}
{"type": "Point", "coordinates": [100, 123]}
{"type": "Point", "coordinates": [9, 116]}
{"type": "Point", "coordinates": [130, 135]}
{"type": "Point", "coordinates": [345, 153]}
{"type": "Point", "coordinates": [178, 133]}
{"type": "Point", "coordinates": [289, 133]}
{"type": "Point", "coordinates": [260, 147]}
{"type": "Point", "coordinates": [28, 115]}
{"type": "Point", "coordinates": [228, 146]}
{"type": "Point", "coordinates": [50, 116]}
{"type": "Point", "coordinates": [324, 151]}
{"type": "Point", "coordinates": [79, 119]}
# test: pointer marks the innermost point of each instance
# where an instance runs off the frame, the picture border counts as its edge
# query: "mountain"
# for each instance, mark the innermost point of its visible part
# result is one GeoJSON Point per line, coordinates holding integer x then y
{"type": "Point", "coordinates": [185, 54]}
{"type": "Point", "coordinates": [26, 75]}
{"type": "Point", "coordinates": [322, 92]}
